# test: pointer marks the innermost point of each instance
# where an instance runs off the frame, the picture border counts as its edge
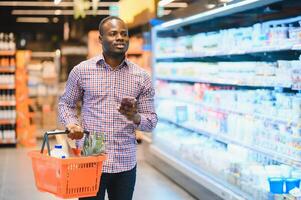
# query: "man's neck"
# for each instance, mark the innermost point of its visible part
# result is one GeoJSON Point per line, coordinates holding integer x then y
{"type": "Point", "coordinates": [113, 61]}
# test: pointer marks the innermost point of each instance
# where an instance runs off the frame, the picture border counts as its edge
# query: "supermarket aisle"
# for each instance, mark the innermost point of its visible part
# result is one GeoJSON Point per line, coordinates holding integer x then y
{"type": "Point", "coordinates": [16, 180]}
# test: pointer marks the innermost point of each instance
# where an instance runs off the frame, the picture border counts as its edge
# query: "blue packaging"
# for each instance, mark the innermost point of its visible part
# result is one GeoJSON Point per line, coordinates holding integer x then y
{"type": "Point", "coordinates": [291, 183]}
{"type": "Point", "coordinates": [276, 185]}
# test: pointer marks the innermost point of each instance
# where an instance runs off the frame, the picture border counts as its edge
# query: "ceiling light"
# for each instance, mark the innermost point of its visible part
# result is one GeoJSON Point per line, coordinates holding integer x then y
{"type": "Point", "coordinates": [49, 4]}
{"type": "Point", "coordinates": [219, 12]}
{"type": "Point", "coordinates": [55, 20]}
{"type": "Point", "coordinates": [176, 5]}
{"type": "Point", "coordinates": [32, 19]}
{"type": "Point", "coordinates": [56, 2]}
{"type": "Point", "coordinates": [225, 1]}
{"type": "Point", "coordinates": [56, 12]}
{"type": "Point", "coordinates": [210, 6]}
{"type": "Point", "coordinates": [163, 3]}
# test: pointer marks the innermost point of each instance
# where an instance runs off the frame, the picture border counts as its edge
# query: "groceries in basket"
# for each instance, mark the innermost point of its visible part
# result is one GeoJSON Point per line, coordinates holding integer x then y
{"type": "Point", "coordinates": [93, 144]}
{"type": "Point", "coordinates": [72, 177]}
{"type": "Point", "coordinates": [58, 152]}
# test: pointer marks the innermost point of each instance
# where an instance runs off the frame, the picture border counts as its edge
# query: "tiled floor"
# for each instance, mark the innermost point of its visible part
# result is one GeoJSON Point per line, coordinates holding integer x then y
{"type": "Point", "coordinates": [17, 183]}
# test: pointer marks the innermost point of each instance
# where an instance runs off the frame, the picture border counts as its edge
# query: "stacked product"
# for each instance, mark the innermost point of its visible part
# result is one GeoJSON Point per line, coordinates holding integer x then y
{"type": "Point", "coordinates": [240, 167]}
{"type": "Point", "coordinates": [43, 90]}
{"type": "Point", "coordinates": [268, 36]}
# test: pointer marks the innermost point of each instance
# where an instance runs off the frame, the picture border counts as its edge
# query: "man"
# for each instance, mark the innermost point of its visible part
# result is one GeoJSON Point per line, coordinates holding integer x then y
{"type": "Point", "coordinates": [117, 98]}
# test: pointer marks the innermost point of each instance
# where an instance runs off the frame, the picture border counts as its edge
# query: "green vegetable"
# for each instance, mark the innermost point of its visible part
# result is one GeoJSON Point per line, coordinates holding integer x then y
{"type": "Point", "coordinates": [93, 144]}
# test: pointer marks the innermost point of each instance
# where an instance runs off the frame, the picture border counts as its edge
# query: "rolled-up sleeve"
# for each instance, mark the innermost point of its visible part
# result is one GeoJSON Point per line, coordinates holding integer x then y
{"type": "Point", "coordinates": [68, 101]}
{"type": "Point", "coordinates": [146, 106]}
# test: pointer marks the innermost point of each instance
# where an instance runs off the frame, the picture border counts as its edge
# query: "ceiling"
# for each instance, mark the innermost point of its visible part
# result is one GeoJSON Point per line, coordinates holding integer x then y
{"type": "Point", "coordinates": [56, 15]}
{"type": "Point", "coordinates": [60, 16]}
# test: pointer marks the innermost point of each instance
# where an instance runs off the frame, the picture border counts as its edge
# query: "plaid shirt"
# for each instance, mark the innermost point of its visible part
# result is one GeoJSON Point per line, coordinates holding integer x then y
{"type": "Point", "coordinates": [101, 90]}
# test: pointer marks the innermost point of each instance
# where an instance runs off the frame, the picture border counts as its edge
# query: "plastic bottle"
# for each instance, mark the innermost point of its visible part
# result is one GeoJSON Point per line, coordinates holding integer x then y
{"type": "Point", "coordinates": [58, 152]}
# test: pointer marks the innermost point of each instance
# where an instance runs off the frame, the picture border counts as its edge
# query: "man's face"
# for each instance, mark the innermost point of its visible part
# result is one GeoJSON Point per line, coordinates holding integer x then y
{"type": "Point", "coordinates": [114, 39]}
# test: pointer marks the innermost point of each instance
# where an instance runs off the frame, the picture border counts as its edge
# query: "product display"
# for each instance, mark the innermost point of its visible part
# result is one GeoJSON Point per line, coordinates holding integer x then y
{"type": "Point", "coordinates": [7, 42]}
{"type": "Point", "coordinates": [246, 169]}
{"type": "Point", "coordinates": [43, 89]}
{"type": "Point", "coordinates": [261, 37]}
{"type": "Point", "coordinates": [237, 119]}
{"type": "Point", "coordinates": [7, 90]}
{"type": "Point", "coordinates": [267, 74]}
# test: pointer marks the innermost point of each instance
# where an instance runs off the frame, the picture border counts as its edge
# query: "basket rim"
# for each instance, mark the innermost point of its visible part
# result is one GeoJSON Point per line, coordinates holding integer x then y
{"type": "Point", "coordinates": [36, 154]}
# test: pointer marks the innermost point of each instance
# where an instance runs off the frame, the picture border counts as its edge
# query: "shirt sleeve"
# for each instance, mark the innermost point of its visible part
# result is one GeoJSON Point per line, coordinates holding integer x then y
{"type": "Point", "coordinates": [68, 101]}
{"type": "Point", "coordinates": [146, 107]}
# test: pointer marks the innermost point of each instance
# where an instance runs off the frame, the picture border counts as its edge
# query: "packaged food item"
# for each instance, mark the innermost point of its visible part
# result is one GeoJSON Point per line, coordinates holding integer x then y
{"type": "Point", "coordinates": [93, 144]}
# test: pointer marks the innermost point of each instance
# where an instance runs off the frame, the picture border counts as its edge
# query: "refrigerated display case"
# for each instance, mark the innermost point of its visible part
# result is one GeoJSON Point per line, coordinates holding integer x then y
{"type": "Point", "coordinates": [228, 100]}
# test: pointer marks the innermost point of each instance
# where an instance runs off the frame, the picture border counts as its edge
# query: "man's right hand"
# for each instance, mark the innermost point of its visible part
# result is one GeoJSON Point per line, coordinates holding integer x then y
{"type": "Point", "coordinates": [75, 131]}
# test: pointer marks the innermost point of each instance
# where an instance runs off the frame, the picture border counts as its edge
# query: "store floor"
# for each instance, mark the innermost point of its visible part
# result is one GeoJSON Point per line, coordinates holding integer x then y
{"type": "Point", "coordinates": [16, 180]}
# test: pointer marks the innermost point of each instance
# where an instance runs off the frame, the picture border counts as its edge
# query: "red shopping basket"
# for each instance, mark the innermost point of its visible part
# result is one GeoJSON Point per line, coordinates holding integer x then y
{"type": "Point", "coordinates": [66, 178]}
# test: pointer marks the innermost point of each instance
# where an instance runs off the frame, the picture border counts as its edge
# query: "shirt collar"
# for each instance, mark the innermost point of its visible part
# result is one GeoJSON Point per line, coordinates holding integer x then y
{"type": "Point", "coordinates": [100, 62]}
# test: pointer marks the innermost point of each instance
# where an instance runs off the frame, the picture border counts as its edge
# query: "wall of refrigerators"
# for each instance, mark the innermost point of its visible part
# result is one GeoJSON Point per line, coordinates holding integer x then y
{"type": "Point", "coordinates": [228, 101]}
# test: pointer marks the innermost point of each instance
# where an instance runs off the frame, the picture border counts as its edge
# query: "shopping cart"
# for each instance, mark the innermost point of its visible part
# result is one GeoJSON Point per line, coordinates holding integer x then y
{"type": "Point", "coordinates": [66, 178]}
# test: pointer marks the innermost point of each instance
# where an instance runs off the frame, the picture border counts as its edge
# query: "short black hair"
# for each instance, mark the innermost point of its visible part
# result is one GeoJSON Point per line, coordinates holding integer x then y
{"type": "Point", "coordinates": [104, 20]}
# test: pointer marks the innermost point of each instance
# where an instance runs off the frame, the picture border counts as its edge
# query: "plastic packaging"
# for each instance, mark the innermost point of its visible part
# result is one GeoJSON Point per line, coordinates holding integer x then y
{"type": "Point", "coordinates": [58, 152]}
{"type": "Point", "coordinates": [93, 144]}
{"type": "Point", "coordinates": [276, 185]}
{"type": "Point", "coordinates": [292, 183]}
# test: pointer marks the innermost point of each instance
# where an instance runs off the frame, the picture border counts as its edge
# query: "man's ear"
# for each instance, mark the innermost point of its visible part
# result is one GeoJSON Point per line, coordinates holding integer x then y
{"type": "Point", "coordinates": [100, 39]}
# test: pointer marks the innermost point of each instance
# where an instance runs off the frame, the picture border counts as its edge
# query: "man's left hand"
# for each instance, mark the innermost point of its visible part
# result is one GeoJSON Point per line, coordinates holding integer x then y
{"type": "Point", "coordinates": [128, 108]}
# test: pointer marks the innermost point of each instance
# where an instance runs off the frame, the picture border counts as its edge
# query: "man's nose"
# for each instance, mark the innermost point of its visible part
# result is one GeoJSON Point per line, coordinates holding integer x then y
{"type": "Point", "coordinates": [120, 36]}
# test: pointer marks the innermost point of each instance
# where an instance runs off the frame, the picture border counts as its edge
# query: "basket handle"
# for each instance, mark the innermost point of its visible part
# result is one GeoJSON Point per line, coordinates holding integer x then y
{"type": "Point", "coordinates": [55, 132]}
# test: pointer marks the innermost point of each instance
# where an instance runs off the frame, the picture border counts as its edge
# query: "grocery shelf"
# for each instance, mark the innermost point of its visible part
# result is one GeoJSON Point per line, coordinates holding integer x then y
{"type": "Point", "coordinates": [221, 82]}
{"type": "Point", "coordinates": [227, 139]}
{"type": "Point", "coordinates": [7, 121]}
{"type": "Point", "coordinates": [238, 112]}
{"type": "Point", "coordinates": [7, 53]}
{"type": "Point", "coordinates": [7, 103]}
{"type": "Point", "coordinates": [7, 87]}
{"type": "Point", "coordinates": [6, 70]}
{"type": "Point", "coordinates": [254, 50]}
{"type": "Point", "coordinates": [215, 185]}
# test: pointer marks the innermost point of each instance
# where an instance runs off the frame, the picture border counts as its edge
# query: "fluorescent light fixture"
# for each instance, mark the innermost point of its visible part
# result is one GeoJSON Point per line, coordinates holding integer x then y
{"type": "Point", "coordinates": [221, 9]}
{"type": "Point", "coordinates": [56, 2]}
{"type": "Point", "coordinates": [218, 12]}
{"type": "Point", "coordinates": [49, 4]}
{"type": "Point", "coordinates": [225, 1]}
{"type": "Point", "coordinates": [171, 23]}
{"type": "Point", "coordinates": [163, 3]}
{"type": "Point", "coordinates": [32, 19]}
{"type": "Point", "coordinates": [176, 5]}
{"type": "Point", "coordinates": [56, 12]}
{"type": "Point", "coordinates": [210, 6]}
